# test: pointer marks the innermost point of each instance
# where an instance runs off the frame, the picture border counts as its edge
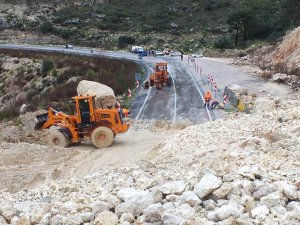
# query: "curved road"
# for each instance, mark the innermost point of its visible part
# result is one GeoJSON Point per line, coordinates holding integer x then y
{"type": "Point", "coordinates": [183, 101]}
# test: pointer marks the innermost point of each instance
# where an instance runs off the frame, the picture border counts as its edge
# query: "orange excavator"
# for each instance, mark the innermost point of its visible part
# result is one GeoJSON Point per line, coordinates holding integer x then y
{"type": "Point", "coordinates": [159, 77]}
{"type": "Point", "coordinates": [98, 124]}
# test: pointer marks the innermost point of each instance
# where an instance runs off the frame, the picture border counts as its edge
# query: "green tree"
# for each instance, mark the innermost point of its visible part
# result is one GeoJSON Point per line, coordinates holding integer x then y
{"type": "Point", "coordinates": [47, 66]}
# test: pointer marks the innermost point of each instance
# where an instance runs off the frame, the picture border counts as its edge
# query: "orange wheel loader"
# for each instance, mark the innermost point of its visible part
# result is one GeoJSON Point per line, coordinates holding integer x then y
{"type": "Point", "coordinates": [100, 125]}
{"type": "Point", "coordinates": [159, 77]}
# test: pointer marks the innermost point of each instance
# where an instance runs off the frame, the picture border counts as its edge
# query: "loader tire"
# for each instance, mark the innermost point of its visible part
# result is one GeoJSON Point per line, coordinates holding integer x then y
{"type": "Point", "coordinates": [57, 138]}
{"type": "Point", "coordinates": [146, 84]}
{"type": "Point", "coordinates": [169, 81]}
{"type": "Point", "coordinates": [159, 85]}
{"type": "Point", "coordinates": [102, 137]}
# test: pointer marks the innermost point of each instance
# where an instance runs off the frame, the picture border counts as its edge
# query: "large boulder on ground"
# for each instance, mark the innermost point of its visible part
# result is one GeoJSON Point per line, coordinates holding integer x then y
{"type": "Point", "coordinates": [105, 96]}
{"type": "Point", "coordinates": [207, 185]}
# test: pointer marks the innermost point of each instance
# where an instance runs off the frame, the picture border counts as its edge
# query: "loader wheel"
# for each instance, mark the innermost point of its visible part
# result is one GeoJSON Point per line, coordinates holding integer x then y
{"type": "Point", "coordinates": [102, 137]}
{"type": "Point", "coordinates": [57, 138]}
{"type": "Point", "coordinates": [169, 81]}
{"type": "Point", "coordinates": [151, 83]}
{"type": "Point", "coordinates": [146, 84]}
{"type": "Point", "coordinates": [159, 85]}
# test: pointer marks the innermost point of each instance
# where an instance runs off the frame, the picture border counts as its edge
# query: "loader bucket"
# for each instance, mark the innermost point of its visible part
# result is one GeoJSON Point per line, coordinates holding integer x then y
{"type": "Point", "coordinates": [40, 120]}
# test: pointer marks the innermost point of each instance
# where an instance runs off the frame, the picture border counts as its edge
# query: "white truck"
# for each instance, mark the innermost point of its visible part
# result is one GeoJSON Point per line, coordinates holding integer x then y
{"type": "Point", "coordinates": [137, 49]}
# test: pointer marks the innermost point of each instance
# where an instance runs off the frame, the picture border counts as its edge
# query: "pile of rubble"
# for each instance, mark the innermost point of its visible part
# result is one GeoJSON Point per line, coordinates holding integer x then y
{"type": "Point", "coordinates": [240, 170]}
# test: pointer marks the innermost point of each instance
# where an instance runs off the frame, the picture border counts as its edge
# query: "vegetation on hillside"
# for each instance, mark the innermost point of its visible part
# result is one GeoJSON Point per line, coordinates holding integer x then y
{"type": "Point", "coordinates": [187, 24]}
{"type": "Point", "coordinates": [51, 80]}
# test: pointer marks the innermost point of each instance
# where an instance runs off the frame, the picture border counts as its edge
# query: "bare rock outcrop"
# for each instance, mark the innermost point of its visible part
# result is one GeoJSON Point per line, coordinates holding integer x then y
{"type": "Point", "coordinates": [288, 53]}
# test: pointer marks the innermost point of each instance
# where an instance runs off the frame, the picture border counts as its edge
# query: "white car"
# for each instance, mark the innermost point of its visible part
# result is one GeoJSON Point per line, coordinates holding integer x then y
{"type": "Point", "coordinates": [175, 54]}
{"type": "Point", "coordinates": [197, 55]}
{"type": "Point", "coordinates": [69, 46]}
{"type": "Point", "coordinates": [159, 53]}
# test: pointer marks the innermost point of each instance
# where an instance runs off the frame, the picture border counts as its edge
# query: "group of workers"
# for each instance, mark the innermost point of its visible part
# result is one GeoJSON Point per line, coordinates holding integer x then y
{"type": "Point", "coordinates": [208, 98]}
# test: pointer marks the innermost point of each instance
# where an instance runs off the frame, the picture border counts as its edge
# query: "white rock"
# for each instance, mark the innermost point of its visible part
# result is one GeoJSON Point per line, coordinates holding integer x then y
{"type": "Point", "coordinates": [3, 221]}
{"type": "Point", "coordinates": [104, 94]}
{"type": "Point", "coordinates": [209, 204]}
{"type": "Point", "coordinates": [36, 215]}
{"type": "Point", "coordinates": [206, 185]}
{"type": "Point", "coordinates": [125, 223]}
{"type": "Point", "coordinates": [190, 198]}
{"type": "Point", "coordinates": [272, 199]}
{"type": "Point", "coordinates": [106, 218]}
{"type": "Point", "coordinates": [128, 217]}
{"type": "Point", "coordinates": [225, 212]}
{"type": "Point", "coordinates": [222, 191]}
{"type": "Point", "coordinates": [263, 191]}
{"type": "Point", "coordinates": [173, 187]}
{"type": "Point", "coordinates": [46, 219]}
{"type": "Point", "coordinates": [169, 219]}
{"type": "Point", "coordinates": [7, 210]}
{"type": "Point", "coordinates": [153, 213]}
{"type": "Point", "coordinates": [100, 206]}
{"type": "Point", "coordinates": [260, 212]}
{"type": "Point", "coordinates": [250, 172]}
{"type": "Point", "coordinates": [278, 210]}
{"type": "Point", "coordinates": [156, 194]}
{"type": "Point", "coordinates": [290, 191]}
{"type": "Point", "coordinates": [23, 109]}
{"type": "Point", "coordinates": [264, 104]}
{"type": "Point", "coordinates": [134, 205]}
{"type": "Point", "coordinates": [127, 194]}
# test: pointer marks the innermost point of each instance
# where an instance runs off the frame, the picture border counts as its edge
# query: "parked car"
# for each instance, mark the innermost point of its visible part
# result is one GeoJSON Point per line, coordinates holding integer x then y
{"type": "Point", "coordinates": [69, 46]}
{"type": "Point", "coordinates": [175, 53]}
{"type": "Point", "coordinates": [137, 49]}
{"type": "Point", "coordinates": [159, 53]}
{"type": "Point", "coordinates": [197, 55]}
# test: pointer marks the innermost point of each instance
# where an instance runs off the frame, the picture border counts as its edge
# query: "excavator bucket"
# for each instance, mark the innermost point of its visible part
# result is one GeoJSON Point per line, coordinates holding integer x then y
{"type": "Point", "coordinates": [40, 120]}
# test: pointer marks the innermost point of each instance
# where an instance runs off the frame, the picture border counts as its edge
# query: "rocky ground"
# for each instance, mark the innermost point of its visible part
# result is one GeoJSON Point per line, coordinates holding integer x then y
{"type": "Point", "coordinates": [243, 169]}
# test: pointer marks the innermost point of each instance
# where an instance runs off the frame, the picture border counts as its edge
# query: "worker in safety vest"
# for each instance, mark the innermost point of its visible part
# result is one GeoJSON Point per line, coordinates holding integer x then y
{"type": "Point", "coordinates": [207, 98]}
{"type": "Point", "coordinates": [126, 112]}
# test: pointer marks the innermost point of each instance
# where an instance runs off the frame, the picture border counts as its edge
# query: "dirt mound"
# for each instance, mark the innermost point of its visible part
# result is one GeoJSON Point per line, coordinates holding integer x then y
{"type": "Point", "coordinates": [287, 55]}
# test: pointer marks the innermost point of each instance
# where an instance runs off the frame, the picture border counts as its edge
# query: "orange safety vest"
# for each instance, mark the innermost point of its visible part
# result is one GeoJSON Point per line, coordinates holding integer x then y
{"type": "Point", "coordinates": [207, 96]}
{"type": "Point", "coordinates": [126, 112]}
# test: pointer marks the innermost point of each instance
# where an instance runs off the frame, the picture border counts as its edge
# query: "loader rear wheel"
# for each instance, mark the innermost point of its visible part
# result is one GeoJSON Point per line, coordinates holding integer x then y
{"type": "Point", "coordinates": [57, 138]}
{"type": "Point", "coordinates": [102, 137]}
{"type": "Point", "coordinates": [159, 85]}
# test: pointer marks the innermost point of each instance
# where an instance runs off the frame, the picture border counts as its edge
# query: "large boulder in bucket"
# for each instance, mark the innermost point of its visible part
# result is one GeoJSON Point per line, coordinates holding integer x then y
{"type": "Point", "coordinates": [105, 96]}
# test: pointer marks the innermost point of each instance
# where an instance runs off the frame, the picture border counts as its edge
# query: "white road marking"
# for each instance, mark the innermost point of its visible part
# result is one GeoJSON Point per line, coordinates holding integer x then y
{"type": "Point", "coordinates": [175, 104]}
{"type": "Point", "coordinates": [146, 99]}
{"type": "Point", "coordinates": [191, 75]}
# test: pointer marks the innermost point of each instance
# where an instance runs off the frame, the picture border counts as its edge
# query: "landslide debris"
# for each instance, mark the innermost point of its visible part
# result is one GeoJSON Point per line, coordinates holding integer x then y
{"type": "Point", "coordinates": [240, 170]}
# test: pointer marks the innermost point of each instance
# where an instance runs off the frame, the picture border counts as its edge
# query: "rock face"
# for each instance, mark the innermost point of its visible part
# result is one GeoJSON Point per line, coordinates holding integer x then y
{"type": "Point", "coordinates": [288, 53]}
{"type": "Point", "coordinates": [105, 96]}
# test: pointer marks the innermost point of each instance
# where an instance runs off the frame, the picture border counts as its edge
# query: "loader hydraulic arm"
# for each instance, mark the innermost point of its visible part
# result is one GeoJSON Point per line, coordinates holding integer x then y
{"type": "Point", "coordinates": [51, 118]}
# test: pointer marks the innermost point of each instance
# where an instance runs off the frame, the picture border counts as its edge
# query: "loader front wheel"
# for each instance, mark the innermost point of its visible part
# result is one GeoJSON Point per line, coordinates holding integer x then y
{"type": "Point", "coordinates": [57, 138]}
{"type": "Point", "coordinates": [102, 137]}
{"type": "Point", "coordinates": [146, 84]}
{"type": "Point", "coordinates": [169, 81]}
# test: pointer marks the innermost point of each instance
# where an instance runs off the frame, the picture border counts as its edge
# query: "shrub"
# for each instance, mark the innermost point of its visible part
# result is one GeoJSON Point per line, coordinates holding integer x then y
{"type": "Point", "coordinates": [46, 27]}
{"type": "Point", "coordinates": [124, 41]}
{"type": "Point", "coordinates": [223, 43]}
{"type": "Point", "coordinates": [47, 66]}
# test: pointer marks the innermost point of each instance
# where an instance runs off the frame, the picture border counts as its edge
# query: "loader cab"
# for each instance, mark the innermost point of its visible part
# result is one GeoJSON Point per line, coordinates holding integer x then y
{"type": "Point", "coordinates": [85, 110]}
